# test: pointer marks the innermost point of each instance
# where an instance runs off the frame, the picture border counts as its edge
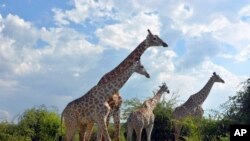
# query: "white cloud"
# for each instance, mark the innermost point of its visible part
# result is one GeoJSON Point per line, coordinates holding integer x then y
{"type": "Point", "coordinates": [245, 11]}
{"type": "Point", "coordinates": [244, 54]}
{"type": "Point", "coordinates": [222, 30]}
{"type": "Point", "coordinates": [130, 32]}
{"type": "Point", "coordinates": [42, 74]}
{"type": "Point", "coordinates": [22, 32]}
{"type": "Point", "coordinates": [82, 10]}
{"type": "Point", "coordinates": [66, 65]}
{"type": "Point", "coordinates": [192, 81]}
{"type": "Point", "coordinates": [4, 115]}
{"type": "Point", "coordinates": [183, 11]}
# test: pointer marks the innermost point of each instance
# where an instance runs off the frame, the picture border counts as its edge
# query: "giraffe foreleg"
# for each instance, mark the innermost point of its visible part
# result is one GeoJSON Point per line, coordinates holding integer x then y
{"type": "Point", "coordinates": [138, 132]}
{"type": "Point", "coordinates": [89, 131]}
{"type": "Point", "coordinates": [149, 131]}
{"type": "Point", "coordinates": [129, 132]}
{"type": "Point", "coordinates": [82, 131]}
{"type": "Point", "coordinates": [101, 122]}
{"type": "Point", "coordinates": [116, 117]}
{"type": "Point", "coordinates": [107, 123]}
{"type": "Point", "coordinates": [102, 130]}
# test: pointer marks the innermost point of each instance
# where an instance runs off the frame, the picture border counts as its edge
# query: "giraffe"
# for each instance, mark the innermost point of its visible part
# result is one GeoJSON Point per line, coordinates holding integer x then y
{"type": "Point", "coordinates": [93, 107]}
{"type": "Point", "coordinates": [144, 116]}
{"type": "Point", "coordinates": [193, 106]}
{"type": "Point", "coordinates": [135, 55]}
{"type": "Point", "coordinates": [151, 40]}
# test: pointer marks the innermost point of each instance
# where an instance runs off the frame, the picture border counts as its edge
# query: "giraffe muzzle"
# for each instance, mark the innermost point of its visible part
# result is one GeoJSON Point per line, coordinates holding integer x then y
{"type": "Point", "coordinates": [164, 44]}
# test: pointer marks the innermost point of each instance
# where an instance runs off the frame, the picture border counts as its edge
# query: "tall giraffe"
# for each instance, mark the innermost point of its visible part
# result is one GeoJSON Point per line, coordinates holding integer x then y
{"type": "Point", "coordinates": [151, 40]}
{"type": "Point", "coordinates": [144, 116]}
{"type": "Point", "coordinates": [93, 106]}
{"type": "Point", "coordinates": [135, 55]}
{"type": "Point", "coordinates": [193, 106]}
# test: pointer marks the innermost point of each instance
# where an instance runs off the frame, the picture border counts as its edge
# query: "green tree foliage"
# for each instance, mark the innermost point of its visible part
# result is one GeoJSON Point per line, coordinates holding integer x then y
{"type": "Point", "coordinates": [39, 124]}
{"type": "Point", "coordinates": [237, 108]}
{"type": "Point", "coordinates": [129, 106]}
{"type": "Point", "coordinates": [35, 124]}
{"type": "Point", "coordinates": [163, 128]}
{"type": "Point", "coordinates": [10, 132]}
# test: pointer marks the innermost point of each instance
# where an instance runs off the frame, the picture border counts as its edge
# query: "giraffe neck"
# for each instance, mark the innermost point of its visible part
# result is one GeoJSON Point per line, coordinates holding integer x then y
{"type": "Point", "coordinates": [201, 96]}
{"type": "Point", "coordinates": [117, 82]}
{"type": "Point", "coordinates": [127, 62]}
{"type": "Point", "coordinates": [157, 98]}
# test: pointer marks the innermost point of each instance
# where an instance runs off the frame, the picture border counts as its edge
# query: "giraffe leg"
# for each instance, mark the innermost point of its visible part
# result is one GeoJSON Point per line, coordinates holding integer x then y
{"type": "Point", "coordinates": [107, 123]}
{"type": "Point", "coordinates": [89, 131]}
{"type": "Point", "coordinates": [102, 129]}
{"type": "Point", "coordinates": [101, 122]}
{"type": "Point", "coordinates": [82, 132]}
{"type": "Point", "coordinates": [149, 131]}
{"type": "Point", "coordinates": [138, 134]}
{"type": "Point", "coordinates": [116, 117]}
{"type": "Point", "coordinates": [71, 129]}
{"type": "Point", "coordinates": [129, 133]}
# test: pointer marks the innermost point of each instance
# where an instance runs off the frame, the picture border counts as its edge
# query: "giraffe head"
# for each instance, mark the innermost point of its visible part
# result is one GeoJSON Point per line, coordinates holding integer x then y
{"type": "Point", "coordinates": [154, 40]}
{"type": "Point", "coordinates": [152, 102]}
{"type": "Point", "coordinates": [139, 68]}
{"type": "Point", "coordinates": [217, 78]}
{"type": "Point", "coordinates": [163, 88]}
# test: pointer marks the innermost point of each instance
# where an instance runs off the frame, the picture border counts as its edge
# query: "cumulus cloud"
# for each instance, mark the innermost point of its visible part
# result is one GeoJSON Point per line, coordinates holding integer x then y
{"type": "Point", "coordinates": [130, 32]}
{"type": "Point", "coordinates": [188, 83]}
{"type": "Point", "coordinates": [199, 49]}
{"type": "Point", "coordinates": [53, 65]}
{"type": "Point", "coordinates": [42, 73]}
{"type": "Point", "coordinates": [82, 10]}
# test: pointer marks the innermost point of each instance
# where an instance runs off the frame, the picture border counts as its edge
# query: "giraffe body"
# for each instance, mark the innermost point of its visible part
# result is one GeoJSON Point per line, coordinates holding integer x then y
{"type": "Point", "coordinates": [144, 116]}
{"type": "Point", "coordinates": [193, 106]}
{"type": "Point", "coordinates": [93, 107]}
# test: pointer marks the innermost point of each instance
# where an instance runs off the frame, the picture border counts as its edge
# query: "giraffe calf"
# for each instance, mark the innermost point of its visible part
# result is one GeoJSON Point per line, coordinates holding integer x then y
{"type": "Point", "coordinates": [144, 116]}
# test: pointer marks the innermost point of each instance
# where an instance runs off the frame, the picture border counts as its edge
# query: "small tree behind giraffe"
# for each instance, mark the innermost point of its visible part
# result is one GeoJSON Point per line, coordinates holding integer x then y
{"type": "Point", "coordinates": [144, 116]}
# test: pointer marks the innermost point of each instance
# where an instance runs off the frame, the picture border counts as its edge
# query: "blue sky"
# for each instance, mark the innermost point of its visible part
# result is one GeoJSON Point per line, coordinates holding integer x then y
{"type": "Point", "coordinates": [52, 52]}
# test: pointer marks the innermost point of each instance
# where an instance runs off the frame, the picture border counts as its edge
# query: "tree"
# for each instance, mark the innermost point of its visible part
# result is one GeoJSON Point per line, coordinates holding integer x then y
{"type": "Point", "coordinates": [40, 124]}
{"type": "Point", "coordinates": [130, 105]}
{"type": "Point", "coordinates": [237, 108]}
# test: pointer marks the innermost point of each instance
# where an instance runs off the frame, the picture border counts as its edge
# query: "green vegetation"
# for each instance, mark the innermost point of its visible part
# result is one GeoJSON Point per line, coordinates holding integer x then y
{"type": "Point", "coordinates": [43, 123]}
